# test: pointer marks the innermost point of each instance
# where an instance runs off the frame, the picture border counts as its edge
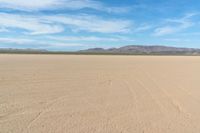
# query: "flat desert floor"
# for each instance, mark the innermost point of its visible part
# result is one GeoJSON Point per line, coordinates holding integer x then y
{"type": "Point", "coordinates": [99, 94]}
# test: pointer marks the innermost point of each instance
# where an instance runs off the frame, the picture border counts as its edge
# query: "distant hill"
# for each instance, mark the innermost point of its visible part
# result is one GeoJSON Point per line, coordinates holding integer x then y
{"type": "Point", "coordinates": [12, 50]}
{"type": "Point", "coordinates": [126, 50]}
{"type": "Point", "coordinates": [138, 49]}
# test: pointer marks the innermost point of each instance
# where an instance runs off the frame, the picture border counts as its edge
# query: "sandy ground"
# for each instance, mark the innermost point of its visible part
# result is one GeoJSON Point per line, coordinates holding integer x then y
{"type": "Point", "coordinates": [99, 94]}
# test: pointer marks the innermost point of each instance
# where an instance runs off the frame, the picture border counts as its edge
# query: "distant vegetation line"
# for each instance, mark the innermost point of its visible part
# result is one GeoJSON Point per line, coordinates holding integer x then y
{"type": "Point", "coordinates": [126, 50]}
{"type": "Point", "coordinates": [94, 53]}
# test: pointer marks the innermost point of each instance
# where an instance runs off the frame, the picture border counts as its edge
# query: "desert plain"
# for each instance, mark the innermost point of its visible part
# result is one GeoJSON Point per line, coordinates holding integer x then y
{"type": "Point", "coordinates": [99, 94]}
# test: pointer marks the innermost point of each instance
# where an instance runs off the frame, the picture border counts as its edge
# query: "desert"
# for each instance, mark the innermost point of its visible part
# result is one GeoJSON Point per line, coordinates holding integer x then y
{"type": "Point", "coordinates": [99, 94]}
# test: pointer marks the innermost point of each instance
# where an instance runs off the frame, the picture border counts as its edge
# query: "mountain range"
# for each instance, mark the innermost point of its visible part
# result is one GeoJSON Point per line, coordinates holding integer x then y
{"type": "Point", "coordinates": [127, 50]}
{"type": "Point", "coordinates": [138, 49]}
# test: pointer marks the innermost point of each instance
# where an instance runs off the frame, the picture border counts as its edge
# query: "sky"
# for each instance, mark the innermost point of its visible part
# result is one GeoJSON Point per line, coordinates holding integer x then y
{"type": "Point", "coordinates": [70, 25]}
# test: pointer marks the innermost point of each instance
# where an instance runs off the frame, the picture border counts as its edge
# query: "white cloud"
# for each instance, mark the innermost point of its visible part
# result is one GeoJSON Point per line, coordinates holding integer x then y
{"type": "Point", "coordinates": [143, 27]}
{"type": "Point", "coordinates": [49, 42]}
{"type": "Point", "coordinates": [175, 25]}
{"type": "Point", "coordinates": [177, 40]}
{"type": "Point", "coordinates": [165, 30]}
{"type": "Point", "coordinates": [93, 23]}
{"type": "Point", "coordinates": [97, 5]}
{"type": "Point", "coordinates": [59, 44]}
{"type": "Point", "coordinates": [81, 38]}
{"type": "Point", "coordinates": [16, 40]}
{"type": "Point", "coordinates": [27, 5]}
{"type": "Point", "coordinates": [36, 25]}
{"type": "Point", "coordinates": [37, 43]}
{"type": "Point", "coordinates": [116, 9]}
{"type": "Point", "coordinates": [32, 24]}
{"type": "Point", "coordinates": [89, 38]}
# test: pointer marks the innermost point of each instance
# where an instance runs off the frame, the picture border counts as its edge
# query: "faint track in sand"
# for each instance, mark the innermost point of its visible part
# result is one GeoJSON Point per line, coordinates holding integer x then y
{"type": "Point", "coordinates": [181, 111]}
{"type": "Point", "coordinates": [41, 113]}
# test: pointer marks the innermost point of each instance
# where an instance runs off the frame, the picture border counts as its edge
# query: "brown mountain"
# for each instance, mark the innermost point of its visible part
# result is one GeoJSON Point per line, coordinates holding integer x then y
{"type": "Point", "coordinates": [138, 49]}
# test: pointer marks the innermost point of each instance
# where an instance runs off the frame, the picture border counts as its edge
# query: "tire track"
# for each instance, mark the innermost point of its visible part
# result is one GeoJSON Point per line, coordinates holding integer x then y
{"type": "Point", "coordinates": [134, 97]}
{"type": "Point", "coordinates": [41, 113]}
{"type": "Point", "coordinates": [180, 110]}
{"type": "Point", "coordinates": [109, 82]}
{"type": "Point", "coordinates": [174, 103]}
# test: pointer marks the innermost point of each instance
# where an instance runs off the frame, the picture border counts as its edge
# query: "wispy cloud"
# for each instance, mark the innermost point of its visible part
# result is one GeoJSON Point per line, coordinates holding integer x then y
{"type": "Point", "coordinates": [116, 9]}
{"type": "Point", "coordinates": [26, 5]}
{"type": "Point", "coordinates": [58, 23]}
{"type": "Point", "coordinates": [177, 40]}
{"type": "Point", "coordinates": [32, 24]}
{"type": "Point", "coordinates": [90, 38]}
{"type": "Point", "coordinates": [143, 27]}
{"type": "Point", "coordinates": [64, 41]}
{"type": "Point", "coordinates": [165, 30]}
{"type": "Point", "coordinates": [16, 40]}
{"type": "Point", "coordinates": [35, 42]}
{"type": "Point", "coordinates": [175, 25]}
{"type": "Point", "coordinates": [92, 23]}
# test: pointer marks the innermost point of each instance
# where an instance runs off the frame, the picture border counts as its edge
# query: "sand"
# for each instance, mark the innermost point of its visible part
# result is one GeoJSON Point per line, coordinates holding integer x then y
{"type": "Point", "coordinates": [99, 94]}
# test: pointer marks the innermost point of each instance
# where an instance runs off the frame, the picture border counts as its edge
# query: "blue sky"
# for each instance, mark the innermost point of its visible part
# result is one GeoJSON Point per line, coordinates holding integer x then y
{"type": "Point", "coordinates": [81, 24]}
